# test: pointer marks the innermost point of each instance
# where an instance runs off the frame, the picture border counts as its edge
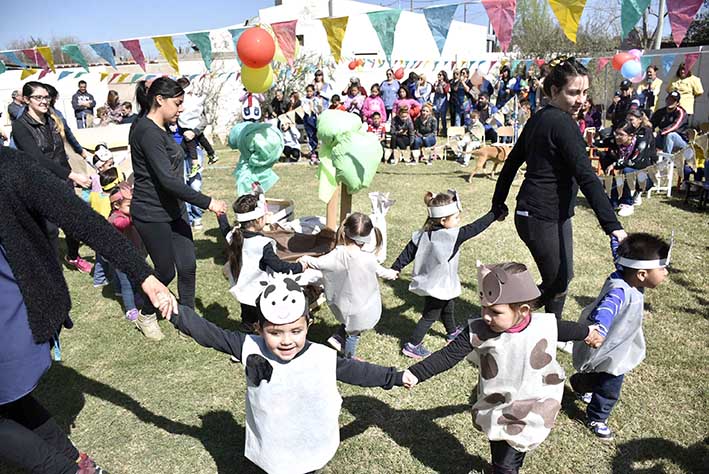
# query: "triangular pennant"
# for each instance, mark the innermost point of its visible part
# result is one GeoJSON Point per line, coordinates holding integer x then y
{"type": "Point", "coordinates": [630, 13]}
{"type": "Point", "coordinates": [204, 44]}
{"type": "Point", "coordinates": [133, 47]}
{"type": "Point", "coordinates": [335, 29]}
{"type": "Point", "coordinates": [681, 13]}
{"type": "Point", "coordinates": [27, 73]}
{"type": "Point", "coordinates": [14, 59]}
{"type": "Point", "coordinates": [136, 77]}
{"type": "Point", "coordinates": [502, 18]}
{"type": "Point", "coordinates": [63, 74]}
{"type": "Point", "coordinates": [3, 68]}
{"type": "Point", "coordinates": [384, 23]}
{"type": "Point", "coordinates": [285, 35]}
{"type": "Point", "coordinates": [31, 55]}
{"type": "Point", "coordinates": [168, 51]}
{"type": "Point", "coordinates": [690, 60]}
{"type": "Point", "coordinates": [619, 180]}
{"type": "Point", "coordinates": [103, 76]}
{"type": "Point", "coordinates": [235, 35]}
{"type": "Point", "coordinates": [642, 179]}
{"type": "Point", "coordinates": [80, 73]}
{"type": "Point", "coordinates": [667, 62]}
{"type": "Point", "coordinates": [602, 63]}
{"type": "Point", "coordinates": [300, 112]}
{"type": "Point", "coordinates": [439, 20]}
{"type": "Point", "coordinates": [123, 77]}
{"type": "Point", "coordinates": [645, 61]}
{"type": "Point", "coordinates": [46, 53]}
{"type": "Point", "coordinates": [568, 12]}
{"type": "Point", "coordinates": [631, 178]}
{"type": "Point", "coordinates": [73, 51]}
{"type": "Point", "coordinates": [105, 50]}
{"type": "Point", "coordinates": [585, 61]}
{"type": "Point", "coordinates": [608, 184]}
{"type": "Point", "coordinates": [114, 76]}
{"type": "Point", "coordinates": [34, 56]}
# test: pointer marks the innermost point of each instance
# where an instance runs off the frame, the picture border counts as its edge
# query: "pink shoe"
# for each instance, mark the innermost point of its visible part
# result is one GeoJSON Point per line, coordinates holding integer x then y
{"type": "Point", "coordinates": [132, 314]}
{"type": "Point", "coordinates": [80, 264]}
{"type": "Point", "coordinates": [87, 465]}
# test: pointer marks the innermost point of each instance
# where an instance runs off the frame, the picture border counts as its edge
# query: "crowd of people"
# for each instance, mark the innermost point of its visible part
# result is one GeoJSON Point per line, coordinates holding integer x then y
{"type": "Point", "coordinates": [292, 400]}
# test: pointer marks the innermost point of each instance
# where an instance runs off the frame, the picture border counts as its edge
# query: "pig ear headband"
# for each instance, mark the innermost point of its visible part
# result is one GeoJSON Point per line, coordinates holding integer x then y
{"type": "Point", "coordinates": [497, 286]}
{"type": "Point", "coordinates": [282, 300]}
{"type": "Point", "coordinates": [257, 213]}
{"type": "Point", "coordinates": [647, 264]}
{"type": "Point", "coordinates": [438, 212]}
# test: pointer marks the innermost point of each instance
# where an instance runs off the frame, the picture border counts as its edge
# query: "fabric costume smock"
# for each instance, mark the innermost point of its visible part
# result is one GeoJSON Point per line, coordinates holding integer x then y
{"type": "Point", "coordinates": [247, 287]}
{"type": "Point", "coordinates": [436, 267]}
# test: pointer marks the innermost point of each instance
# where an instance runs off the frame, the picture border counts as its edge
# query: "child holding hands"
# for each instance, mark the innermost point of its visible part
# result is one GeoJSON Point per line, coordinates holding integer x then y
{"type": "Point", "coordinates": [350, 280]}
{"type": "Point", "coordinates": [520, 384]}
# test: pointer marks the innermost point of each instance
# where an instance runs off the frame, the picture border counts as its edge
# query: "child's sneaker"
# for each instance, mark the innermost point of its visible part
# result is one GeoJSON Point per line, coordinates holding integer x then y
{"type": "Point", "coordinates": [148, 325]}
{"type": "Point", "coordinates": [567, 347]}
{"type": "Point", "coordinates": [415, 352]}
{"type": "Point", "coordinates": [132, 315]}
{"type": "Point", "coordinates": [585, 397]}
{"type": "Point", "coordinates": [194, 171]}
{"type": "Point", "coordinates": [87, 465]}
{"type": "Point", "coordinates": [601, 430]}
{"type": "Point", "coordinates": [450, 337]}
{"type": "Point", "coordinates": [213, 159]}
{"type": "Point", "coordinates": [80, 264]}
{"type": "Point", "coordinates": [336, 342]}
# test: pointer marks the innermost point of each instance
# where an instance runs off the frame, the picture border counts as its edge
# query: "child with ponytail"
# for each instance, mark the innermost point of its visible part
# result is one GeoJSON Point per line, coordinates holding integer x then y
{"type": "Point", "coordinates": [350, 280]}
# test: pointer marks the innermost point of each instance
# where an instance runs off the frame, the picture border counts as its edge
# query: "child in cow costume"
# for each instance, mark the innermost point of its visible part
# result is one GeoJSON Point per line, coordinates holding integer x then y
{"type": "Point", "coordinates": [520, 383]}
{"type": "Point", "coordinates": [292, 400]}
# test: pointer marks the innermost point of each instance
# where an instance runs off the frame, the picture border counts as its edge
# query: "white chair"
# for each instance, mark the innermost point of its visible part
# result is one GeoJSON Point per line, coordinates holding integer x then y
{"type": "Point", "coordinates": [664, 177]}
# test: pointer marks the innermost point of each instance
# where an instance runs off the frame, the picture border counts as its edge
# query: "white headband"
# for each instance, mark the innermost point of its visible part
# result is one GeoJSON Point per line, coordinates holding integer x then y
{"type": "Point", "coordinates": [447, 210]}
{"type": "Point", "coordinates": [257, 213]}
{"type": "Point", "coordinates": [647, 264]}
{"type": "Point", "coordinates": [361, 239]}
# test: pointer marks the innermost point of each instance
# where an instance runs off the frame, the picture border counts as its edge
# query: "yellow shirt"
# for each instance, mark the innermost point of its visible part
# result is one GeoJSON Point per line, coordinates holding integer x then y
{"type": "Point", "coordinates": [688, 88]}
{"type": "Point", "coordinates": [655, 87]}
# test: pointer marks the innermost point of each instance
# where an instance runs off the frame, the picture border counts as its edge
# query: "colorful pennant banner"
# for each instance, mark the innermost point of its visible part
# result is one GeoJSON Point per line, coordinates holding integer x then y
{"type": "Point", "coordinates": [568, 12]}
{"type": "Point", "coordinates": [439, 22]}
{"type": "Point", "coordinates": [384, 23]}
{"type": "Point", "coordinates": [105, 50]}
{"type": "Point", "coordinates": [133, 47]}
{"type": "Point", "coordinates": [335, 29]}
{"type": "Point", "coordinates": [204, 44]}
{"type": "Point", "coordinates": [502, 18]}
{"type": "Point", "coordinates": [73, 51]}
{"type": "Point", "coordinates": [285, 35]}
{"type": "Point", "coordinates": [681, 14]}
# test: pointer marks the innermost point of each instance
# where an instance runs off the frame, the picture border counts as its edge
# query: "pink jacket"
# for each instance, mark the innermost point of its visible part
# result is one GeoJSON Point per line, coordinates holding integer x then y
{"type": "Point", "coordinates": [371, 105]}
{"type": "Point", "coordinates": [414, 107]}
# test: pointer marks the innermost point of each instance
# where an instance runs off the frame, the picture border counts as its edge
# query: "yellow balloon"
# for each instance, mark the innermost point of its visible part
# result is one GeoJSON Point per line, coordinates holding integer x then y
{"type": "Point", "coordinates": [257, 80]}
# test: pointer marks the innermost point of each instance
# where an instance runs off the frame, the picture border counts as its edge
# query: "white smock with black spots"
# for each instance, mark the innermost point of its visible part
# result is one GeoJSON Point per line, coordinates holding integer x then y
{"type": "Point", "coordinates": [247, 287]}
{"type": "Point", "coordinates": [292, 421]}
{"type": "Point", "coordinates": [624, 346]}
{"type": "Point", "coordinates": [435, 267]}
{"type": "Point", "coordinates": [520, 383]}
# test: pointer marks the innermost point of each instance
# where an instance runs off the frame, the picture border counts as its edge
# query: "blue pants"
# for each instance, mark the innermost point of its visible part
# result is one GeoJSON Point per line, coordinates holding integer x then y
{"type": "Point", "coordinates": [194, 213]}
{"type": "Point", "coordinates": [426, 142]}
{"type": "Point", "coordinates": [440, 110]}
{"type": "Point", "coordinates": [689, 171]}
{"type": "Point", "coordinates": [128, 293]}
{"type": "Point", "coordinates": [101, 271]}
{"type": "Point", "coordinates": [310, 123]}
{"type": "Point", "coordinates": [670, 142]}
{"type": "Point", "coordinates": [606, 392]}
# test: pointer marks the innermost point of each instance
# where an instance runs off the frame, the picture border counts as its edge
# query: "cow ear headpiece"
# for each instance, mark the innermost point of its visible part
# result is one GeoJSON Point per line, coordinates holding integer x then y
{"type": "Point", "coordinates": [282, 300]}
{"type": "Point", "coordinates": [497, 286]}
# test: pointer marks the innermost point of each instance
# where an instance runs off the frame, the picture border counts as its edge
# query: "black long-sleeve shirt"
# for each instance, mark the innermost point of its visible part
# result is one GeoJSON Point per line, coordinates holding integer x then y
{"type": "Point", "coordinates": [350, 371]}
{"type": "Point", "coordinates": [557, 165]}
{"type": "Point", "coordinates": [466, 232]}
{"type": "Point", "coordinates": [42, 142]}
{"type": "Point", "coordinates": [159, 191]}
{"type": "Point", "coordinates": [460, 347]}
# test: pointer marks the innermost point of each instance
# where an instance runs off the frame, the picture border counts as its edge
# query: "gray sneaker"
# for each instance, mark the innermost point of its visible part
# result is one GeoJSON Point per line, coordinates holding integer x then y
{"type": "Point", "coordinates": [148, 325]}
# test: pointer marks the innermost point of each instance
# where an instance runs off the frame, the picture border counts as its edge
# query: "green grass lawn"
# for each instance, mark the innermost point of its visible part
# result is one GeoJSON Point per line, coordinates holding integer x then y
{"type": "Point", "coordinates": [175, 407]}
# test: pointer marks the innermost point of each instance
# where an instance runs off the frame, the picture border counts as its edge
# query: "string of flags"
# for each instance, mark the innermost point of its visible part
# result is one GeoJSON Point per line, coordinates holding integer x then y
{"type": "Point", "coordinates": [438, 18]}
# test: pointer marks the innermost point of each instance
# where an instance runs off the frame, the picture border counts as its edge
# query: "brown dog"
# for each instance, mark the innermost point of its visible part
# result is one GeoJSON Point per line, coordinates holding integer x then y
{"type": "Point", "coordinates": [495, 153]}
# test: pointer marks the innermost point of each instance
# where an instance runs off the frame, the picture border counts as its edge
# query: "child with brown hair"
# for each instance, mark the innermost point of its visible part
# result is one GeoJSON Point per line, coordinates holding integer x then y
{"type": "Point", "coordinates": [350, 279]}
{"type": "Point", "coordinates": [436, 250]}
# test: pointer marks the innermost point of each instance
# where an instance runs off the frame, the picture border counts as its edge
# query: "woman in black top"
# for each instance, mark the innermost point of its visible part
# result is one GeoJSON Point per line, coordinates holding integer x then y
{"type": "Point", "coordinates": [557, 166]}
{"type": "Point", "coordinates": [158, 206]}
{"type": "Point", "coordinates": [38, 133]}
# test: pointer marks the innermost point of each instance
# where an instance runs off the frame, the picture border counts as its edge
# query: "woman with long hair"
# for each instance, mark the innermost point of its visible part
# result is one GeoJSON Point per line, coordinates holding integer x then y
{"type": "Point", "coordinates": [114, 108]}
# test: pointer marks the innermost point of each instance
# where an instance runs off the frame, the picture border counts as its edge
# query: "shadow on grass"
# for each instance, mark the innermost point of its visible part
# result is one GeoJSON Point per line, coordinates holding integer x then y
{"type": "Point", "coordinates": [414, 430]}
{"type": "Point", "coordinates": [210, 244]}
{"type": "Point", "coordinates": [570, 407]}
{"type": "Point", "coordinates": [692, 459]}
{"type": "Point", "coordinates": [218, 314]}
{"type": "Point", "coordinates": [63, 391]}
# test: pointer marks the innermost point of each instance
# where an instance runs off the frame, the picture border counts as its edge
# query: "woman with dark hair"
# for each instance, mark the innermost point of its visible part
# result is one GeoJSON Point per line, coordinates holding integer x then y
{"type": "Point", "coordinates": [36, 304]}
{"type": "Point", "coordinates": [503, 87]}
{"type": "Point", "coordinates": [323, 89]}
{"type": "Point", "coordinates": [591, 116]}
{"type": "Point", "coordinates": [114, 108]}
{"type": "Point", "coordinates": [40, 133]}
{"type": "Point", "coordinates": [405, 100]}
{"type": "Point", "coordinates": [158, 207]}
{"type": "Point", "coordinates": [689, 88]}
{"type": "Point", "coordinates": [389, 89]}
{"type": "Point", "coordinates": [440, 100]}
{"type": "Point", "coordinates": [557, 166]}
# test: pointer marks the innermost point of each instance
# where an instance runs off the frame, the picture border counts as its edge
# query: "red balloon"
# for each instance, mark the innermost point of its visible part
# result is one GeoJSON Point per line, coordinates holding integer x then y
{"type": "Point", "coordinates": [360, 62]}
{"type": "Point", "coordinates": [399, 74]}
{"type": "Point", "coordinates": [620, 58]}
{"type": "Point", "coordinates": [256, 47]}
{"type": "Point", "coordinates": [352, 65]}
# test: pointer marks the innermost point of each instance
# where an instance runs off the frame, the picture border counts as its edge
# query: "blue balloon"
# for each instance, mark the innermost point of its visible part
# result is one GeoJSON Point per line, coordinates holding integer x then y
{"type": "Point", "coordinates": [631, 69]}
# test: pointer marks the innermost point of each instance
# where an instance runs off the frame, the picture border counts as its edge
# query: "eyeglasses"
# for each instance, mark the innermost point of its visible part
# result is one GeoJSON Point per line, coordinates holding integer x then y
{"type": "Point", "coordinates": [40, 98]}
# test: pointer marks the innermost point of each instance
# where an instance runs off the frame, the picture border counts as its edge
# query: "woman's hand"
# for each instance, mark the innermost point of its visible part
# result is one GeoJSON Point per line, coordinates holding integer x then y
{"type": "Point", "coordinates": [217, 206]}
{"type": "Point", "coordinates": [189, 135]}
{"type": "Point", "coordinates": [619, 234]}
{"type": "Point", "coordinates": [409, 379]}
{"type": "Point", "coordinates": [160, 296]}
{"type": "Point", "coordinates": [80, 179]}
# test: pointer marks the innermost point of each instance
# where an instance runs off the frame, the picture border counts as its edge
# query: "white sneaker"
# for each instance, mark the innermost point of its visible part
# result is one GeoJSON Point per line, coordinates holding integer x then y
{"type": "Point", "coordinates": [148, 325]}
{"type": "Point", "coordinates": [638, 200]}
{"type": "Point", "coordinates": [567, 347]}
{"type": "Point", "coordinates": [626, 210]}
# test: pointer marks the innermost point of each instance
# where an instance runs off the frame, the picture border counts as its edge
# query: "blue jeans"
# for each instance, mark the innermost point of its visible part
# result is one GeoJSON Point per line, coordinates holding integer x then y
{"type": "Point", "coordinates": [606, 392]}
{"type": "Point", "coordinates": [426, 142]}
{"type": "Point", "coordinates": [101, 271]}
{"type": "Point", "coordinates": [194, 213]}
{"type": "Point", "coordinates": [128, 293]}
{"type": "Point", "coordinates": [670, 142]}
{"type": "Point", "coordinates": [440, 110]}
{"type": "Point", "coordinates": [310, 123]}
{"type": "Point", "coordinates": [689, 171]}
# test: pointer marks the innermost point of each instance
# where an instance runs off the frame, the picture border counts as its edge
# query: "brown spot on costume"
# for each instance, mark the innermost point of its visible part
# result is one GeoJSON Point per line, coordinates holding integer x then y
{"type": "Point", "coordinates": [488, 366]}
{"type": "Point", "coordinates": [539, 358]}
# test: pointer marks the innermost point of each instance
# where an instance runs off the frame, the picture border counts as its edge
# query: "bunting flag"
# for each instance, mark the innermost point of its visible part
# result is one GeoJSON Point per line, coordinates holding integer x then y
{"type": "Point", "coordinates": [31, 55]}
{"type": "Point", "coordinates": [105, 50]}
{"type": "Point", "coordinates": [502, 18]}
{"type": "Point", "coordinates": [667, 62]}
{"type": "Point", "coordinates": [335, 29]}
{"type": "Point", "coordinates": [568, 12]}
{"type": "Point", "coordinates": [384, 23]}
{"type": "Point", "coordinates": [204, 44]}
{"type": "Point", "coordinates": [47, 55]}
{"type": "Point", "coordinates": [136, 77]}
{"type": "Point", "coordinates": [103, 76]}
{"type": "Point", "coordinates": [123, 77]}
{"type": "Point", "coordinates": [585, 61]}
{"type": "Point", "coordinates": [73, 51]}
{"type": "Point", "coordinates": [114, 76]}
{"type": "Point", "coordinates": [168, 51]}
{"type": "Point", "coordinates": [645, 61]}
{"type": "Point", "coordinates": [63, 74]}
{"type": "Point", "coordinates": [690, 59]}
{"type": "Point", "coordinates": [285, 35]}
{"type": "Point", "coordinates": [439, 22]}
{"type": "Point", "coordinates": [34, 56]}
{"type": "Point", "coordinates": [3, 68]}
{"type": "Point", "coordinates": [681, 14]}
{"type": "Point", "coordinates": [630, 13]}
{"type": "Point", "coordinates": [12, 58]}
{"type": "Point", "coordinates": [235, 35]}
{"type": "Point", "coordinates": [27, 73]}
{"type": "Point", "coordinates": [133, 47]}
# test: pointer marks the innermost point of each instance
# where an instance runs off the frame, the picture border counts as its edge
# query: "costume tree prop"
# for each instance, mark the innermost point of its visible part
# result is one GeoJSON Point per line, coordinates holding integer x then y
{"type": "Point", "coordinates": [348, 156]}
{"type": "Point", "coordinates": [260, 144]}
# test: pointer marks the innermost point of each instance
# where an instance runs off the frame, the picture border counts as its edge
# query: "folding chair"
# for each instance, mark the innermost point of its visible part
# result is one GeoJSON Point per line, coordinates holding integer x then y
{"type": "Point", "coordinates": [505, 132]}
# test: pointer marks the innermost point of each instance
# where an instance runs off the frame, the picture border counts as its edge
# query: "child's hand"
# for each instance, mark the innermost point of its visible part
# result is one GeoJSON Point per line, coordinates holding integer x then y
{"type": "Point", "coordinates": [304, 261]}
{"type": "Point", "coordinates": [409, 379]}
{"type": "Point", "coordinates": [594, 338]}
{"type": "Point", "coordinates": [390, 274]}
